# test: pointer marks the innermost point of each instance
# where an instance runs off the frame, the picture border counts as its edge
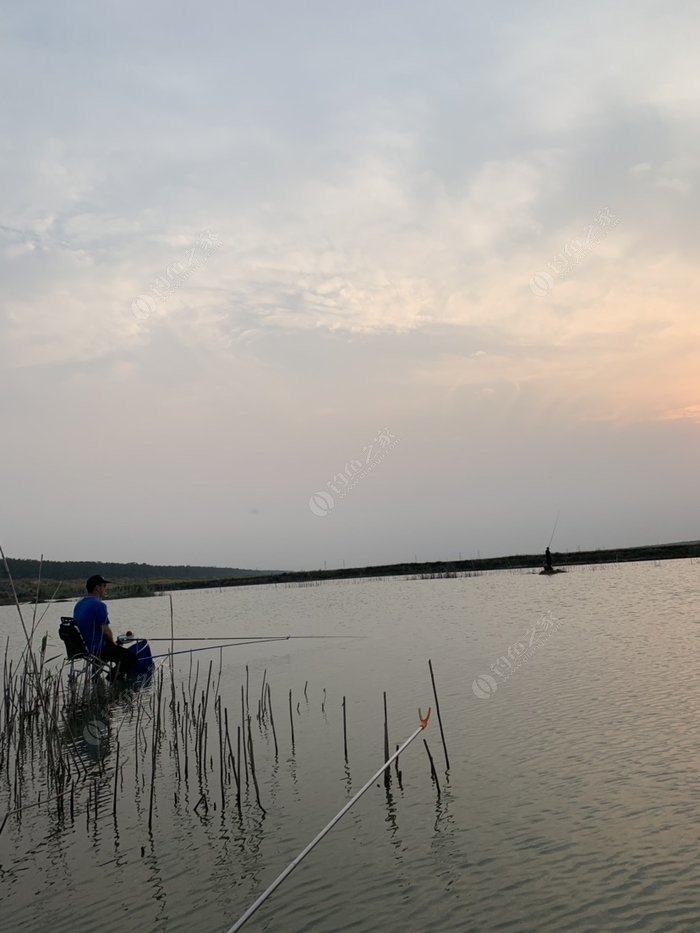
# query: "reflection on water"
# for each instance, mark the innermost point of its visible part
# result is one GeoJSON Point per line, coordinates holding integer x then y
{"type": "Point", "coordinates": [571, 801]}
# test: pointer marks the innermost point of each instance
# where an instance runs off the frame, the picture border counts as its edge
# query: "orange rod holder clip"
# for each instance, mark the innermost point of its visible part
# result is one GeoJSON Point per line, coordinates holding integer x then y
{"type": "Point", "coordinates": [424, 722]}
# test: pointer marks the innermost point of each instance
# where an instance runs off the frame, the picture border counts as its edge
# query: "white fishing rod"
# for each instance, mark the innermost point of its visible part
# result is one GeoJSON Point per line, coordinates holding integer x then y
{"type": "Point", "coordinates": [231, 644]}
{"type": "Point", "coordinates": [553, 530]}
{"type": "Point", "coordinates": [326, 829]}
{"type": "Point", "coordinates": [257, 640]}
{"type": "Point", "coordinates": [232, 638]}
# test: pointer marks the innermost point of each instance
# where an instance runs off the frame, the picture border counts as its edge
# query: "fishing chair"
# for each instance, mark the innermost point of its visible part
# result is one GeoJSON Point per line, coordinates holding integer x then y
{"type": "Point", "coordinates": [76, 650]}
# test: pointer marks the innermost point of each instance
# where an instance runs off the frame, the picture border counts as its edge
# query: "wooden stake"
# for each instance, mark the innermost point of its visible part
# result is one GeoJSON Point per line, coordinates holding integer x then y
{"type": "Point", "coordinates": [433, 772]}
{"type": "Point", "coordinates": [437, 707]}
{"type": "Point", "coordinates": [345, 733]}
{"type": "Point", "coordinates": [398, 772]}
{"type": "Point", "coordinates": [387, 771]}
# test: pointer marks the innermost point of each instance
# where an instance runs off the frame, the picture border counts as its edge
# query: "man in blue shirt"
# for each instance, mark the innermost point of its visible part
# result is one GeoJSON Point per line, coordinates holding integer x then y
{"type": "Point", "coordinates": [91, 617]}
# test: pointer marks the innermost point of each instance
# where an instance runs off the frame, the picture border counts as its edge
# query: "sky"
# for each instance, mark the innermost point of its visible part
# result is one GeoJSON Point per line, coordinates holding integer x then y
{"type": "Point", "coordinates": [305, 284]}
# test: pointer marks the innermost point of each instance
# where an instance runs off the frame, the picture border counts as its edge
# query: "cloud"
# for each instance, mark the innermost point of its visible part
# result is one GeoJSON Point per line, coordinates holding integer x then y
{"type": "Point", "coordinates": [385, 181]}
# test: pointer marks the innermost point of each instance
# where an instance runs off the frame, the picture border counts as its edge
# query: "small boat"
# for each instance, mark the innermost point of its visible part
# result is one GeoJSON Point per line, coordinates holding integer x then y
{"type": "Point", "coordinates": [549, 571]}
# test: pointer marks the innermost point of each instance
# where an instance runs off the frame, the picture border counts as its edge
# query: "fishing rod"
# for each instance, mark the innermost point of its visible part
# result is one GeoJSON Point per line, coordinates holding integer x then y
{"type": "Point", "coordinates": [231, 644]}
{"type": "Point", "coordinates": [234, 639]}
{"type": "Point", "coordinates": [326, 829]}
{"type": "Point", "coordinates": [553, 530]}
{"type": "Point", "coordinates": [252, 637]}
{"type": "Point", "coordinates": [257, 640]}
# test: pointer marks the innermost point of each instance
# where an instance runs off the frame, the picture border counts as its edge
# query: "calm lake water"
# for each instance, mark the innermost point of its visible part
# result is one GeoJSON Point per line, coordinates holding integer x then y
{"type": "Point", "coordinates": [571, 802]}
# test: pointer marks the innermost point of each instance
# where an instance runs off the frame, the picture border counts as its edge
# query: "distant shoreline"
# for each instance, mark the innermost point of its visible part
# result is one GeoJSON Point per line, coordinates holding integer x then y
{"type": "Point", "coordinates": [513, 562]}
{"type": "Point", "coordinates": [130, 589]}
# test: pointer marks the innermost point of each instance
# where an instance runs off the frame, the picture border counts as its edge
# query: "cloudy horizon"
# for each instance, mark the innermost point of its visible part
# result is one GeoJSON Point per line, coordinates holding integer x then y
{"type": "Point", "coordinates": [435, 264]}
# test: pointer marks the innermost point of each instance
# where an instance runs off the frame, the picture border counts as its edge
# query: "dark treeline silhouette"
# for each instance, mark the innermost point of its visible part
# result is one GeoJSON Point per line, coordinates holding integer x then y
{"type": "Point", "coordinates": [150, 579]}
{"type": "Point", "coordinates": [446, 569]}
{"type": "Point", "coordinates": [66, 579]}
{"type": "Point", "coordinates": [25, 569]}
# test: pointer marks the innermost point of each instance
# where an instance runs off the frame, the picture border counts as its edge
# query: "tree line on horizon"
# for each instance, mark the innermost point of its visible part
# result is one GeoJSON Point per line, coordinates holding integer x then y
{"type": "Point", "coordinates": [27, 569]}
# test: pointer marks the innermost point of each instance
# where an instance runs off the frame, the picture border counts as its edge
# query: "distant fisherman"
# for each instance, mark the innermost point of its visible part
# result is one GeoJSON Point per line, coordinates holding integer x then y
{"type": "Point", "coordinates": [547, 559]}
{"type": "Point", "coordinates": [91, 617]}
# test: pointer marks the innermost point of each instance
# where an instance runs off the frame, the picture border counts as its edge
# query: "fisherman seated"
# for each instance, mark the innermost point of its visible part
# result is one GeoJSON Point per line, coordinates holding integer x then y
{"type": "Point", "coordinates": [92, 620]}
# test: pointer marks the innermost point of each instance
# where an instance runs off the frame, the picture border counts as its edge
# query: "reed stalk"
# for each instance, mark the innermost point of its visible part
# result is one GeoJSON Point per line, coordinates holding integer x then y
{"type": "Point", "coordinates": [272, 720]}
